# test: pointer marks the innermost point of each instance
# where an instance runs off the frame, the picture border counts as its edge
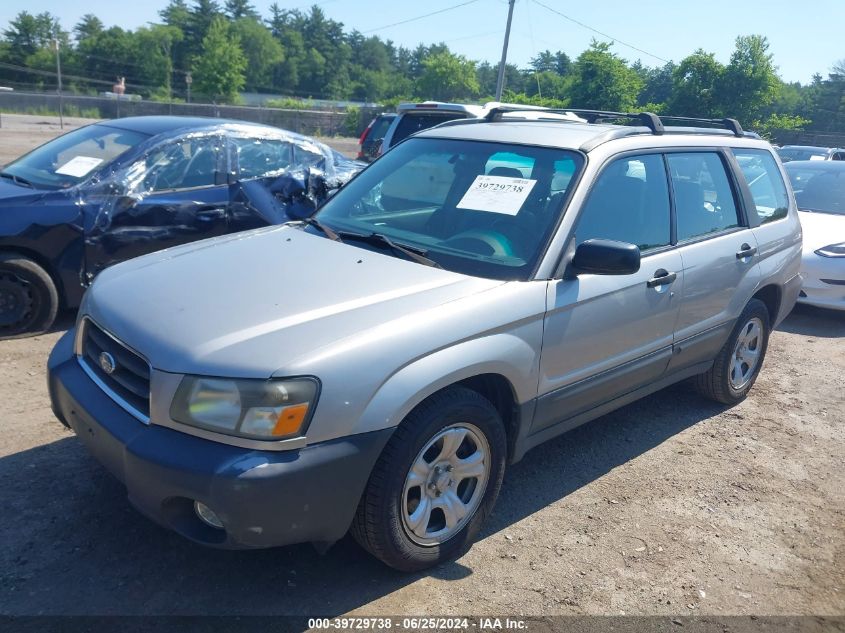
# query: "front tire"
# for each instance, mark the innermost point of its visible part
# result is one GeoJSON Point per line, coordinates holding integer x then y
{"type": "Point", "coordinates": [29, 300]}
{"type": "Point", "coordinates": [435, 482]}
{"type": "Point", "coordinates": [738, 364]}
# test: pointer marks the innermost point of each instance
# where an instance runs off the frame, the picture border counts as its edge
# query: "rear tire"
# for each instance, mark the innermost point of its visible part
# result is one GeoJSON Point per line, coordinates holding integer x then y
{"type": "Point", "coordinates": [435, 482]}
{"type": "Point", "coordinates": [738, 364]}
{"type": "Point", "coordinates": [29, 300]}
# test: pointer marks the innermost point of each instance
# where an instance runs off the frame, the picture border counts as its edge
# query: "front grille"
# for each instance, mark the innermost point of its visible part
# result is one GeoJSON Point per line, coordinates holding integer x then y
{"type": "Point", "coordinates": [129, 381]}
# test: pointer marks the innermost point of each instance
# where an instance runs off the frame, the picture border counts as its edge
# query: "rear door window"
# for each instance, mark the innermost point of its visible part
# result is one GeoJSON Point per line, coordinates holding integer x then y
{"type": "Point", "coordinates": [704, 199]}
{"type": "Point", "coordinates": [764, 179]}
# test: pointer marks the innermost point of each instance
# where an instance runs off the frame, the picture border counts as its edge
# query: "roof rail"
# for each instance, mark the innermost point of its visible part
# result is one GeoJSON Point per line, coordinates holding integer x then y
{"type": "Point", "coordinates": [652, 121]}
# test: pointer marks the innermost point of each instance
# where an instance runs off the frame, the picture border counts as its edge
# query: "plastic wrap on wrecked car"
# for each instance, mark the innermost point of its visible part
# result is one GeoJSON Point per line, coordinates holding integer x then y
{"type": "Point", "coordinates": [247, 179]}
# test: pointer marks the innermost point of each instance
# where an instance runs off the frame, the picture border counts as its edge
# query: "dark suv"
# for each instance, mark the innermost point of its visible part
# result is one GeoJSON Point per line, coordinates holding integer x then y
{"type": "Point", "coordinates": [373, 136]}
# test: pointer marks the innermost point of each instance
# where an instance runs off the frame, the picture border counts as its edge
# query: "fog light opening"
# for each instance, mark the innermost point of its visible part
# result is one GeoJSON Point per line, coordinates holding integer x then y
{"type": "Point", "coordinates": [207, 515]}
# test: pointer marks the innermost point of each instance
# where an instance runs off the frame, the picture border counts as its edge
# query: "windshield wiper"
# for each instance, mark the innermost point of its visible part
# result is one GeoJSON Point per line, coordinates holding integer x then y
{"type": "Point", "coordinates": [378, 239]}
{"type": "Point", "coordinates": [322, 227]}
{"type": "Point", "coordinates": [17, 179]}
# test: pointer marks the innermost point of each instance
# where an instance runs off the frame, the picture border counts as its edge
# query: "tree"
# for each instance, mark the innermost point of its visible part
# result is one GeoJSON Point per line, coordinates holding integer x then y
{"type": "Point", "coordinates": [603, 81]}
{"type": "Point", "coordinates": [200, 17]}
{"type": "Point", "coordinates": [89, 26]}
{"type": "Point", "coordinates": [750, 82]}
{"type": "Point", "coordinates": [219, 71]}
{"type": "Point", "coordinates": [658, 84]}
{"type": "Point", "coordinates": [694, 85]}
{"type": "Point", "coordinates": [238, 9]}
{"type": "Point", "coordinates": [155, 66]}
{"type": "Point", "coordinates": [263, 52]}
{"type": "Point", "coordinates": [28, 33]}
{"type": "Point", "coordinates": [448, 77]}
{"type": "Point", "coordinates": [546, 61]}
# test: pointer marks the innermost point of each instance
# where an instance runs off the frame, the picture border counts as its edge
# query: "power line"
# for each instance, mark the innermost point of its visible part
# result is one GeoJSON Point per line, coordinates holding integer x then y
{"type": "Point", "coordinates": [48, 73]}
{"type": "Point", "coordinates": [471, 37]}
{"type": "Point", "coordinates": [590, 28]}
{"type": "Point", "coordinates": [420, 17]}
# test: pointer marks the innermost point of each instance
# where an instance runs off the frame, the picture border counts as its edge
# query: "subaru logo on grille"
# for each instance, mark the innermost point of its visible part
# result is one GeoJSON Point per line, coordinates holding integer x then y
{"type": "Point", "coordinates": [107, 362]}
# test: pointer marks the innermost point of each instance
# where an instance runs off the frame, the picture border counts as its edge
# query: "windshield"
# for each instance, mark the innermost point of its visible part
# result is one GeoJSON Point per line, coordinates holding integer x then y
{"type": "Point", "coordinates": [482, 209]}
{"type": "Point", "coordinates": [802, 153]}
{"type": "Point", "coordinates": [69, 159]}
{"type": "Point", "coordinates": [413, 122]}
{"type": "Point", "coordinates": [819, 190]}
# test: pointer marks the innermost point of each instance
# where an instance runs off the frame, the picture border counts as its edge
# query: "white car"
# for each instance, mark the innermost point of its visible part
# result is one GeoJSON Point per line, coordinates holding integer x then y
{"type": "Point", "coordinates": [820, 193]}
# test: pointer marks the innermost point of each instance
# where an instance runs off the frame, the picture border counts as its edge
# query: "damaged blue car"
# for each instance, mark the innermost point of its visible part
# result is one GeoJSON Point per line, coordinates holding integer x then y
{"type": "Point", "coordinates": [118, 189]}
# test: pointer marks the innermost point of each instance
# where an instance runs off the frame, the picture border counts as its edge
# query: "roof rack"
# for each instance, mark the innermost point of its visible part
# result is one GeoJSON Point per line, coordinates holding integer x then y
{"type": "Point", "coordinates": [650, 120]}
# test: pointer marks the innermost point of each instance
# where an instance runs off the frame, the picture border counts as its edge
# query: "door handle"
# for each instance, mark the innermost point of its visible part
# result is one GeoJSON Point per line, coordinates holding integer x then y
{"type": "Point", "coordinates": [746, 250]}
{"type": "Point", "coordinates": [662, 277]}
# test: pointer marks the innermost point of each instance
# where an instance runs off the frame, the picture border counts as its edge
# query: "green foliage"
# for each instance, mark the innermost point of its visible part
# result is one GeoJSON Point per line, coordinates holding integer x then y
{"type": "Point", "coordinates": [749, 83]}
{"type": "Point", "coordinates": [603, 81]}
{"type": "Point", "coordinates": [696, 81]}
{"type": "Point", "coordinates": [352, 121]}
{"type": "Point", "coordinates": [219, 70]}
{"type": "Point", "coordinates": [780, 123]}
{"type": "Point", "coordinates": [448, 77]}
{"type": "Point", "coordinates": [288, 103]}
{"type": "Point", "coordinates": [228, 47]}
{"type": "Point", "coordinates": [263, 52]}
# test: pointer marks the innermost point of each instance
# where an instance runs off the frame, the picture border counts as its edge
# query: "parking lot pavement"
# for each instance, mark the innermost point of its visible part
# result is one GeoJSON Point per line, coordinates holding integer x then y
{"type": "Point", "coordinates": [672, 505]}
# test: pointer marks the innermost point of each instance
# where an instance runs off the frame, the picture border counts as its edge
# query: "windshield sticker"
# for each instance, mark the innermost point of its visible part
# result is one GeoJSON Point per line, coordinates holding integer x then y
{"type": "Point", "coordinates": [817, 157]}
{"type": "Point", "coordinates": [79, 166]}
{"type": "Point", "coordinates": [497, 194]}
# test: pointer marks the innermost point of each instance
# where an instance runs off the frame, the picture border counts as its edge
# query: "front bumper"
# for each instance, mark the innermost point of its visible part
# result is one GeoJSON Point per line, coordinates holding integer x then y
{"type": "Point", "coordinates": [824, 281]}
{"type": "Point", "coordinates": [264, 498]}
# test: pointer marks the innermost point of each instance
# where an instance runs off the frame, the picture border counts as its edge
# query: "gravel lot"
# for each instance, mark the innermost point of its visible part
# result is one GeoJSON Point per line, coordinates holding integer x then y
{"type": "Point", "coordinates": [672, 505]}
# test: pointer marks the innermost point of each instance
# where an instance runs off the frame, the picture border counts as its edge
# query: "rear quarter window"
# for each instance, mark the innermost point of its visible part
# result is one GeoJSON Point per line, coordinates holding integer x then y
{"type": "Point", "coordinates": [764, 179]}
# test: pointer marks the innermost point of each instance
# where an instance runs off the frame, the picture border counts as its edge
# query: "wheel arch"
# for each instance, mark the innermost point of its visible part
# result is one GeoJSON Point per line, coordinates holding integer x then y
{"type": "Point", "coordinates": [44, 263]}
{"type": "Point", "coordinates": [771, 296]}
{"type": "Point", "coordinates": [505, 383]}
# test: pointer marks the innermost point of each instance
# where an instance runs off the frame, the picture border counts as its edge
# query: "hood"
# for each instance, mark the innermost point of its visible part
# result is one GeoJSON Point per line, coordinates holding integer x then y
{"type": "Point", "coordinates": [821, 229]}
{"type": "Point", "coordinates": [249, 304]}
{"type": "Point", "coordinates": [11, 191]}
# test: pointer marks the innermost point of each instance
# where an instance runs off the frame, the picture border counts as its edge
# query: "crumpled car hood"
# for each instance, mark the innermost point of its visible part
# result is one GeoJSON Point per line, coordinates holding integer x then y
{"type": "Point", "coordinates": [247, 305]}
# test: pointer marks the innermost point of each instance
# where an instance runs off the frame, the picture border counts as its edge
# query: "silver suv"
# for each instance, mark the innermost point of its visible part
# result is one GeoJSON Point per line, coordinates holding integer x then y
{"type": "Point", "coordinates": [487, 285]}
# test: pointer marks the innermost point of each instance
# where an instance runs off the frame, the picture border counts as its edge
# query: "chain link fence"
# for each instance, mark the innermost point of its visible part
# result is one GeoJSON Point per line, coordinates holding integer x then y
{"type": "Point", "coordinates": [336, 122]}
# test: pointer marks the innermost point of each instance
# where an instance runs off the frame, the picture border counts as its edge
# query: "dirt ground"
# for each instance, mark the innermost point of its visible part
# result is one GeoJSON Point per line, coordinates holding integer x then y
{"type": "Point", "coordinates": [672, 505]}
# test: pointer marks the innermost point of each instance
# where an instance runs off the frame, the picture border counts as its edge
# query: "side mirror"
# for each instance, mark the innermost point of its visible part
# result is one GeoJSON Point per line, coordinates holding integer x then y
{"type": "Point", "coordinates": [606, 257]}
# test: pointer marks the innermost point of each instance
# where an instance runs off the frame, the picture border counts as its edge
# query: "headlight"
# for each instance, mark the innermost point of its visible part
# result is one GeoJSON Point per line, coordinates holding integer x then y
{"type": "Point", "coordinates": [257, 409]}
{"type": "Point", "coordinates": [832, 250]}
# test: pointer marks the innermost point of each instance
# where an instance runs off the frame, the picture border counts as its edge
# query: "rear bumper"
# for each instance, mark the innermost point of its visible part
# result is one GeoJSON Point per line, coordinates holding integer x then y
{"type": "Point", "coordinates": [264, 498]}
{"type": "Point", "coordinates": [789, 296]}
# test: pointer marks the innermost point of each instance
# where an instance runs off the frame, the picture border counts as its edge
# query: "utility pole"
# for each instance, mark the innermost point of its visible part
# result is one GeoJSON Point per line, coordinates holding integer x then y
{"type": "Point", "coordinates": [59, 75]}
{"type": "Point", "coordinates": [500, 84]}
{"type": "Point", "coordinates": [188, 81]}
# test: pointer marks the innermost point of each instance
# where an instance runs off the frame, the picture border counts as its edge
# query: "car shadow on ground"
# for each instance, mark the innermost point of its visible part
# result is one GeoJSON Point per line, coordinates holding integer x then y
{"type": "Point", "coordinates": [73, 545]}
{"type": "Point", "coordinates": [813, 321]}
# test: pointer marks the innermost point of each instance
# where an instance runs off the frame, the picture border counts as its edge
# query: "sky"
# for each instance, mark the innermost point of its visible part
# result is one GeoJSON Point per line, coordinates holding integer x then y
{"type": "Point", "coordinates": [805, 37]}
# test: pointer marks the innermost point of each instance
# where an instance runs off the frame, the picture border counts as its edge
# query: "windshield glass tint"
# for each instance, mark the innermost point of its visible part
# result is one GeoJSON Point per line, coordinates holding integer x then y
{"type": "Point", "coordinates": [801, 153]}
{"type": "Point", "coordinates": [819, 190]}
{"type": "Point", "coordinates": [484, 209]}
{"type": "Point", "coordinates": [413, 122]}
{"type": "Point", "coordinates": [71, 158]}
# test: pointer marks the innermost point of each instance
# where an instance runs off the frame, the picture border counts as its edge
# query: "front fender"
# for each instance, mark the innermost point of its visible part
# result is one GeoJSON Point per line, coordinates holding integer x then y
{"type": "Point", "coordinates": [513, 355]}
